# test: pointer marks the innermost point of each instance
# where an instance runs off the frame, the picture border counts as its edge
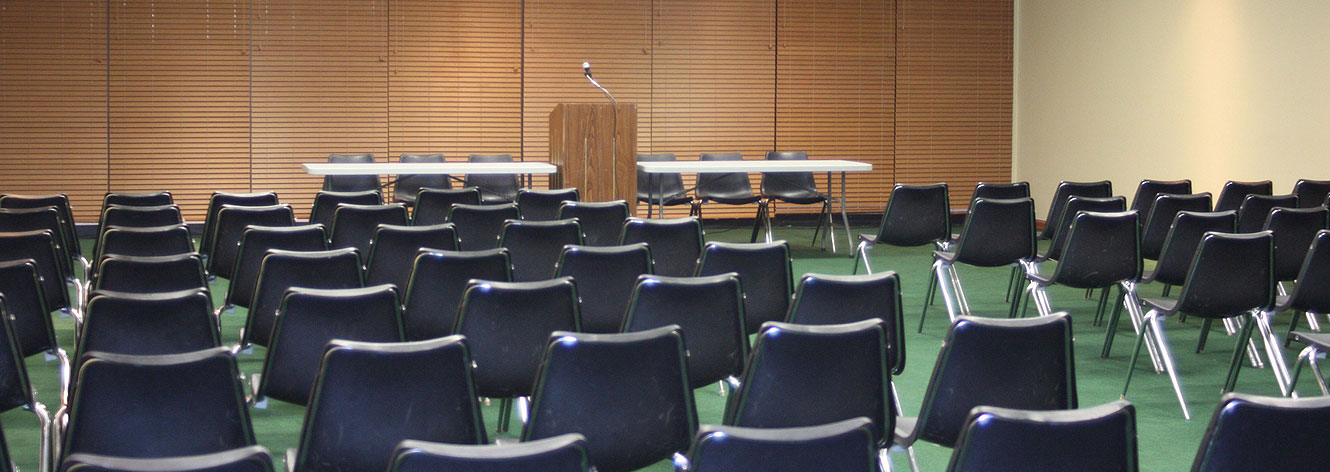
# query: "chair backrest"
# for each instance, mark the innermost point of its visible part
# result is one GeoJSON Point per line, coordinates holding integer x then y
{"type": "Point", "coordinates": [244, 459]}
{"type": "Point", "coordinates": [605, 277]}
{"type": "Point", "coordinates": [1240, 434]}
{"type": "Point", "coordinates": [800, 375]}
{"type": "Point", "coordinates": [843, 446]}
{"type": "Point", "coordinates": [1294, 229]}
{"type": "Point", "coordinates": [543, 205]}
{"type": "Point", "coordinates": [408, 186]}
{"type": "Point", "coordinates": [152, 241]}
{"type": "Point", "coordinates": [1101, 250]}
{"type": "Point", "coordinates": [61, 202]}
{"type": "Point", "coordinates": [1160, 220]}
{"type": "Point", "coordinates": [601, 221]}
{"type": "Point", "coordinates": [1235, 192]}
{"type": "Point", "coordinates": [254, 245]}
{"type": "Point", "coordinates": [589, 383]}
{"type": "Point", "coordinates": [493, 188]}
{"type": "Point", "coordinates": [478, 226]}
{"type": "Point", "coordinates": [158, 406]}
{"type": "Point", "coordinates": [1255, 210]}
{"type": "Point", "coordinates": [354, 225]}
{"type": "Point", "coordinates": [997, 232]}
{"type": "Point", "coordinates": [1311, 193]}
{"type": "Point", "coordinates": [438, 280]}
{"type": "Point", "coordinates": [15, 391]}
{"type": "Point", "coordinates": [823, 299]}
{"type": "Point", "coordinates": [433, 205]}
{"type": "Point", "coordinates": [351, 183]}
{"type": "Point", "coordinates": [562, 453]}
{"type": "Point", "coordinates": [506, 324]}
{"type": "Point", "coordinates": [215, 203]}
{"type": "Point", "coordinates": [916, 215]}
{"type": "Point", "coordinates": [788, 184]}
{"type": "Point", "coordinates": [1312, 293]}
{"type": "Point", "coordinates": [1184, 236]}
{"type": "Point", "coordinates": [724, 185]}
{"type": "Point", "coordinates": [147, 324]}
{"type": "Point", "coordinates": [282, 270]}
{"type": "Point", "coordinates": [709, 310]}
{"type": "Point", "coordinates": [650, 187]}
{"type": "Point", "coordinates": [311, 318]}
{"type": "Point", "coordinates": [325, 204]}
{"type": "Point", "coordinates": [535, 246]}
{"type": "Point", "coordinates": [1001, 191]}
{"type": "Point", "coordinates": [1230, 274]}
{"type": "Point", "coordinates": [764, 269]}
{"type": "Point", "coordinates": [137, 199]}
{"type": "Point", "coordinates": [231, 224]}
{"type": "Point", "coordinates": [393, 251]}
{"type": "Point", "coordinates": [1097, 438]}
{"type": "Point", "coordinates": [388, 392]}
{"type": "Point", "coordinates": [1011, 363]}
{"type": "Point", "coordinates": [37, 219]}
{"type": "Point", "coordinates": [140, 216]}
{"type": "Point", "coordinates": [25, 308]}
{"type": "Point", "coordinates": [40, 247]}
{"type": "Point", "coordinates": [1070, 208]}
{"type": "Point", "coordinates": [1064, 192]}
{"type": "Point", "coordinates": [1148, 190]}
{"type": "Point", "coordinates": [150, 274]}
{"type": "Point", "coordinates": [675, 243]}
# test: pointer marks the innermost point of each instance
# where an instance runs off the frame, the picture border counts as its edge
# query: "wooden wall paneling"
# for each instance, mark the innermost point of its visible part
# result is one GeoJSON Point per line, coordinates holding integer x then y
{"type": "Point", "coordinates": [53, 101]}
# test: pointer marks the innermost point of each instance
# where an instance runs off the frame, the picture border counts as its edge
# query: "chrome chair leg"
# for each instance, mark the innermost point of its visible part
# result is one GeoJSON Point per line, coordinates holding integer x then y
{"type": "Point", "coordinates": [1278, 366]}
{"type": "Point", "coordinates": [45, 443]}
{"type": "Point", "coordinates": [1154, 327]}
{"type": "Point", "coordinates": [863, 248]}
{"type": "Point", "coordinates": [1235, 366]}
{"type": "Point", "coordinates": [1132, 303]}
{"type": "Point", "coordinates": [1307, 356]}
{"type": "Point", "coordinates": [958, 290]}
{"type": "Point", "coordinates": [946, 285]}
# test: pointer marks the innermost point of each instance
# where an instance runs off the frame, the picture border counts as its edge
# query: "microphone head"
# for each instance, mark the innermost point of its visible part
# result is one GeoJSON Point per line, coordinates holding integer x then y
{"type": "Point", "coordinates": [586, 67]}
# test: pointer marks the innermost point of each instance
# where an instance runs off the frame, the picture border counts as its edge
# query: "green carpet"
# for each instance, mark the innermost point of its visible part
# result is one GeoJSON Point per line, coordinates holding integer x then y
{"type": "Point", "coordinates": [1167, 442]}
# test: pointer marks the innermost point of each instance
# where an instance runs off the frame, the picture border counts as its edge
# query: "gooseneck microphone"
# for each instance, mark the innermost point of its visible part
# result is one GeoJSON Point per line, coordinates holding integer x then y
{"type": "Point", "coordinates": [586, 67]}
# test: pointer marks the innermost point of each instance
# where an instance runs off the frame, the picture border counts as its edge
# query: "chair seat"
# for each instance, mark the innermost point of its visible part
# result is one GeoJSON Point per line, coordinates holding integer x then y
{"type": "Point", "coordinates": [1320, 341]}
{"type": "Point", "coordinates": [946, 256]}
{"type": "Point", "coordinates": [733, 199]}
{"type": "Point", "coordinates": [1041, 279]}
{"type": "Point", "coordinates": [805, 197]}
{"type": "Point", "coordinates": [1167, 306]}
{"type": "Point", "coordinates": [905, 433]}
{"type": "Point", "coordinates": [679, 199]}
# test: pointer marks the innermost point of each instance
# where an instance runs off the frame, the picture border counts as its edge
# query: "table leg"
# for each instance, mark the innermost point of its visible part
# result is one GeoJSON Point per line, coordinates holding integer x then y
{"type": "Point", "coordinates": [660, 196]}
{"type": "Point", "coordinates": [844, 217]}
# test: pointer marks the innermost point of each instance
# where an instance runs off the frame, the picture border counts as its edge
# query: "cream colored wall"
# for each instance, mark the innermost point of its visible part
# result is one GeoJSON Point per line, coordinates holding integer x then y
{"type": "Point", "coordinates": [1209, 90]}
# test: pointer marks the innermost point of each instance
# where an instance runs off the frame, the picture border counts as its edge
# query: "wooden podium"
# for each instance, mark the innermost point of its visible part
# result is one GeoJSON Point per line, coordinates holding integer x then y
{"type": "Point", "coordinates": [594, 147]}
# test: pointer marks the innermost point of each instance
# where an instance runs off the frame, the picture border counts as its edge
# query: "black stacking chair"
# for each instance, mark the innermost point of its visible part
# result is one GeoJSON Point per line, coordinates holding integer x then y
{"type": "Point", "coordinates": [589, 384]}
{"type": "Point", "coordinates": [158, 406]}
{"type": "Point", "coordinates": [1161, 217]}
{"type": "Point", "coordinates": [1096, 438]}
{"type": "Point", "coordinates": [232, 222]}
{"type": "Point", "coordinates": [140, 216]}
{"type": "Point", "coordinates": [245, 459]}
{"type": "Point", "coordinates": [40, 247]}
{"type": "Point", "coordinates": [1023, 363]}
{"type": "Point", "coordinates": [506, 324]}
{"type": "Point", "coordinates": [605, 277]}
{"type": "Point", "coordinates": [408, 186]}
{"type": "Point", "coordinates": [494, 189]}
{"type": "Point", "coordinates": [438, 280]}
{"type": "Point", "coordinates": [17, 220]}
{"type": "Point", "coordinates": [254, 245]}
{"type": "Point", "coordinates": [1311, 193]}
{"type": "Point", "coordinates": [996, 233]}
{"type": "Point", "coordinates": [1295, 230]}
{"type": "Point", "coordinates": [387, 392]}
{"type": "Point", "coordinates": [601, 221]}
{"type": "Point", "coordinates": [1256, 209]}
{"type": "Point", "coordinates": [1070, 207]}
{"type": "Point", "coordinates": [326, 202]}
{"type": "Point", "coordinates": [1149, 190]}
{"type": "Point", "coordinates": [916, 215]}
{"type": "Point", "coordinates": [67, 225]}
{"type": "Point", "coordinates": [1238, 437]}
{"type": "Point", "coordinates": [215, 203]}
{"type": "Point", "coordinates": [732, 188]}
{"type": "Point", "coordinates": [543, 205]}
{"type": "Point", "coordinates": [147, 324]}
{"type": "Point", "coordinates": [708, 309]}
{"type": "Point", "coordinates": [354, 225]}
{"type": "Point", "coordinates": [535, 246]}
{"type": "Point", "coordinates": [25, 309]}
{"type": "Point", "coordinates": [844, 446]}
{"type": "Point", "coordinates": [433, 205]}
{"type": "Point", "coordinates": [1064, 192]}
{"type": "Point", "coordinates": [796, 188]}
{"type": "Point", "coordinates": [309, 319]}
{"type": "Point", "coordinates": [562, 453]}
{"type": "Point", "coordinates": [1310, 296]}
{"type": "Point", "coordinates": [394, 249]}
{"type": "Point", "coordinates": [764, 269]}
{"type": "Point", "coordinates": [1000, 191]}
{"type": "Point", "coordinates": [478, 226]}
{"type": "Point", "coordinates": [351, 183]}
{"type": "Point", "coordinates": [1231, 275]}
{"type": "Point", "coordinates": [1235, 192]}
{"type": "Point", "coordinates": [14, 386]}
{"type": "Point", "coordinates": [150, 241]}
{"type": "Point", "coordinates": [657, 189]}
{"type": "Point", "coordinates": [676, 244]}
{"type": "Point", "coordinates": [150, 274]}
{"type": "Point", "coordinates": [1096, 251]}
{"type": "Point", "coordinates": [145, 199]}
{"type": "Point", "coordinates": [822, 299]}
{"type": "Point", "coordinates": [282, 270]}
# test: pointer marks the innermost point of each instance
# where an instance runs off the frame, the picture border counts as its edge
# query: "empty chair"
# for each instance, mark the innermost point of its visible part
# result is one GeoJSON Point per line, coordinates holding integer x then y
{"type": "Point", "coordinates": [394, 249]}
{"type": "Point", "coordinates": [150, 274]}
{"type": "Point", "coordinates": [1311, 193]}
{"type": "Point", "coordinates": [562, 453]}
{"type": "Point", "coordinates": [845, 446]}
{"type": "Point", "coordinates": [1235, 192]}
{"type": "Point", "coordinates": [660, 189]}
{"type": "Point", "coordinates": [254, 245]}
{"type": "Point", "coordinates": [387, 392]}
{"type": "Point", "coordinates": [1099, 438]}
{"type": "Point", "coordinates": [61, 203]}
{"type": "Point", "coordinates": [1160, 219]}
{"type": "Point", "coordinates": [1238, 437]}
{"type": "Point", "coordinates": [140, 216]}
{"type": "Point", "coordinates": [543, 205]}
{"type": "Point", "coordinates": [796, 188]}
{"type": "Point", "coordinates": [1311, 295]}
{"type": "Point", "coordinates": [325, 204]}
{"type": "Point", "coordinates": [147, 323]}
{"type": "Point", "coordinates": [150, 241]}
{"type": "Point", "coordinates": [1256, 208]}
{"type": "Point", "coordinates": [40, 247]}
{"type": "Point", "coordinates": [601, 221]}
{"type": "Point", "coordinates": [433, 205]}
{"type": "Point", "coordinates": [215, 203]}
{"type": "Point", "coordinates": [144, 199]}
{"type": "Point", "coordinates": [408, 186]}
{"type": "Point", "coordinates": [708, 309]}
{"type": "Point", "coordinates": [1064, 192]}
{"type": "Point", "coordinates": [996, 233]}
{"type": "Point", "coordinates": [494, 189]}
{"type": "Point", "coordinates": [351, 183]}
{"type": "Point", "coordinates": [1294, 230]}
{"type": "Point", "coordinates": [589, 384]}
{"type": "Point", "coordinates": [730, 188]}
{"type": "Point", "coordinates": [605, 277]}
{"type": "Point", "coordinates": [822, 299]}
{"type": "Point", "coordinates": [438, 280]}
{"type": "Point", "coordinates": [354, 225]}
{"type": "Point", "coordinates": [309, 319]}
{"type": "Point", "coordinates": [675, 244]}
{"type": "Point", "coordinates": [1149, 190]}
{"type": "Point", "coordinates": [1098, 251]}
{"type": "Point", "coordinates": [231, 224]}
{"type": "Point", "coordinates": [763, 268]}
{"type": "Point", "coordinates": [916, 215]}
{"type": "Point", "coordinates": [281, 270]}
{"type": "Point", "coordinates": [478, 226]}
{"type": "Point", "coordinates": [17, 220]}
{"type": "Point", "coordinates": [15, 389]}
{"type": "Point", "coordinates": [29, 322]}
{"type": "Point", "coordinates": [535, 246]}
{"type": "Point", "coordinates": [1003, 191]}
{"type": "Point", "coordinates": [245, 459]}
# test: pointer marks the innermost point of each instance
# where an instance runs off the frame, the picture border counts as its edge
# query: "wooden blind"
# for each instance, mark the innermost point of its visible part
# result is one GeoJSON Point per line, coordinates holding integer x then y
{"type": "Point", "coordinates": [835, 90]}
{"type": "Point", "coordinates": [179, 99]}
{"type": "Point", "coordinates": [319, 85]}
{"type": "Point", "coordinates": [953, 93]}
{"type": "Point", "coordinates": [53, 100]}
